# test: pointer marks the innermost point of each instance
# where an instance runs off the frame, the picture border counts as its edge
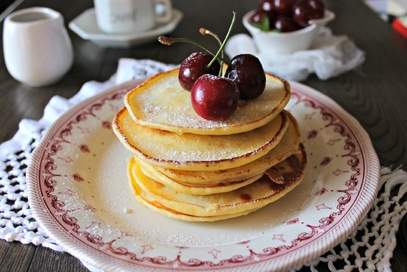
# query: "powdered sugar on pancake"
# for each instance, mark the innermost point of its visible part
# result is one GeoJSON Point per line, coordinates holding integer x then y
{"type": "Point", "coordinates": [161, 103]}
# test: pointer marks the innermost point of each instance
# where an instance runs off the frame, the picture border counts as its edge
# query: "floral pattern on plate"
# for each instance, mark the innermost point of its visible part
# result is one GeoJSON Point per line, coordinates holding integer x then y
{"type": "Point", "coordinates": [79, 193]}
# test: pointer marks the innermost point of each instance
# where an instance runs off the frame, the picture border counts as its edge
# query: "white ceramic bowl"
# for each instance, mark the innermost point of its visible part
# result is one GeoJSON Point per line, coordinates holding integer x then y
{"type": "Point", "coordinates": [288, 42]}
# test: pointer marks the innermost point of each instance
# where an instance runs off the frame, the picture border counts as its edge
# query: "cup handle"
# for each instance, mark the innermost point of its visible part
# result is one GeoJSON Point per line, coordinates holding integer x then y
{"type": "Point", "coordinates": [163, 9]}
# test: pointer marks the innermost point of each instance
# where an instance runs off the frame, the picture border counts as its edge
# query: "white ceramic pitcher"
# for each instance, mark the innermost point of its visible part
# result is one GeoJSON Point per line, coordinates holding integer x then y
{"type": "Point", "coordinates": [36, 45]}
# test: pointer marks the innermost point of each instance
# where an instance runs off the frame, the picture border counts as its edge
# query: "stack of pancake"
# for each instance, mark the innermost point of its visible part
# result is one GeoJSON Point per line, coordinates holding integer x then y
{"type": "Point", "coordinates": [189, 168]}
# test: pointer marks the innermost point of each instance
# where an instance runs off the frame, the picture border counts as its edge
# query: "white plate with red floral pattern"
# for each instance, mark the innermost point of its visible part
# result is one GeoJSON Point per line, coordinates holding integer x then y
{"type": "Point", "coordinates": [79, 193]}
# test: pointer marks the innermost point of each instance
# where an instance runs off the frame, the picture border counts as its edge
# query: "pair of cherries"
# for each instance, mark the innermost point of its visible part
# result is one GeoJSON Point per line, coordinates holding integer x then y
{"type": "Point", "coordinates": [217, 97]}
{"type": "Point", "coordinates": [215, 92]}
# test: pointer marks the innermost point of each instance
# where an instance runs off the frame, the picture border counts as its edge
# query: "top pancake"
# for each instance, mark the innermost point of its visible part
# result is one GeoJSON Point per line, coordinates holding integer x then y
{"type": "Point", "coordinates": [161, 103]}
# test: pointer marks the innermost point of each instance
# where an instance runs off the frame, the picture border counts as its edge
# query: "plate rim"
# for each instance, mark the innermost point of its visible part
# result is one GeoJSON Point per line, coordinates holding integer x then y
{"type": "Point", "coordinates": [356, 216]}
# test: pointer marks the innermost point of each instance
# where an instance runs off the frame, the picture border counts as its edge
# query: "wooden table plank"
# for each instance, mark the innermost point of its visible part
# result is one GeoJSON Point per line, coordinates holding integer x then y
{"type": "Point", "coordinates": [15, 256]}
{"type": "Point", "coordinates": [48, 260]}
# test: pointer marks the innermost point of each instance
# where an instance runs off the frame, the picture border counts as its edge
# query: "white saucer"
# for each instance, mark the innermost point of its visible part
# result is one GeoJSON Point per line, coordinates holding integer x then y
{"type": "Point", "coordinates": [86, 27]}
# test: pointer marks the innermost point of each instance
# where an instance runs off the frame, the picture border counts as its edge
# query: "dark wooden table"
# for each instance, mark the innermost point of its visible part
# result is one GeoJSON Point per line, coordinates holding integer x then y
{"type": "Point", "coordinates": [376, 93]}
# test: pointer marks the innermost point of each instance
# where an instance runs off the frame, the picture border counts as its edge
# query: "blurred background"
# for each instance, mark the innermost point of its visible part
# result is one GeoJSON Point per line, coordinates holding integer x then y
{"type": "Point", "coordinates": [6, 6]}
{"type": "Point", "coordinates": [392, 11]}
{"type": "Point", "coordinates": [387, 9]}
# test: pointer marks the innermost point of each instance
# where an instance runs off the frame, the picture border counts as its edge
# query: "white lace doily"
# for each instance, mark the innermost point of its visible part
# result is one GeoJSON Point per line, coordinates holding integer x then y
{"type": "Point", "coordinates": [368, 248]}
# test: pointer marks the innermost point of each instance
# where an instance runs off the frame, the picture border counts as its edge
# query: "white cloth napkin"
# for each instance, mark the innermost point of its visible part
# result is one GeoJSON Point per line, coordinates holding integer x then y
{"type": "Point", "coordinates": [328, 56]}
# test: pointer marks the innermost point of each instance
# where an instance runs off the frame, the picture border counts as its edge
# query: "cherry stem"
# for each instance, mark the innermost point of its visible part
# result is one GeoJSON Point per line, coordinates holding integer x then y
{"type": "Point", "coordinates": [204, 31]}
{"type": "Point", "coordinates": [169, 41]}
{"type": "Point", "coordinates": [220, 50]}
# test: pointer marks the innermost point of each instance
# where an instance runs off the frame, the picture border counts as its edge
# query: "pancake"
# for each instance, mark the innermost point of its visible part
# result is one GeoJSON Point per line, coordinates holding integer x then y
{"type": "Point", "coordinates": [147, 200]}
{"type": "Point", "coordinates": [213, 188]}
{"type": "Point", "coordinates": [280, 180]}
{"type": "Point", "coordinates": [287, 146]}
{"type": "Point", "coordinates": [161, 103]}
{"type": "Point", "coordinates": [198, 152]}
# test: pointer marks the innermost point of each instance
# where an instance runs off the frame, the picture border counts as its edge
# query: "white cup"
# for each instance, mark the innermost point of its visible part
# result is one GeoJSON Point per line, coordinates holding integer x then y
{"type": "Point", "coordinates": [36, 45]}
{"type": "Point", "coordinates": [130, 16]}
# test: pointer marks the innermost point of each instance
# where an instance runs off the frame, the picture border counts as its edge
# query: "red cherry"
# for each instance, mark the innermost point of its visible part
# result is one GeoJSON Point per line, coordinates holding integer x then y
{"type": "Point", "coordinates": [284, 7]}
{"type": "Point", "coordinates": [307, 10]}
{"type": "Point", "coordinates": [258, 17]}
{"type": "Point", "coordinates": [286, 24]}
{"type": "Point", "coordinates": [248, 74]}
{"type": "Point", "coordinates": [214, 98]}
{"type": "Point", "coordinates": [194, 66]}
{"type": "Point", "coordinates": [261, 20]}
{"type": "Point", "coordinates": [268, 7]}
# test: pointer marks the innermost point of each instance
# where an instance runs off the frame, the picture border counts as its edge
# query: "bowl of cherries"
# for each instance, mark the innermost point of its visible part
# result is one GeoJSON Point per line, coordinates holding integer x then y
{"type": "Point", "coordinates": [286, 26]}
